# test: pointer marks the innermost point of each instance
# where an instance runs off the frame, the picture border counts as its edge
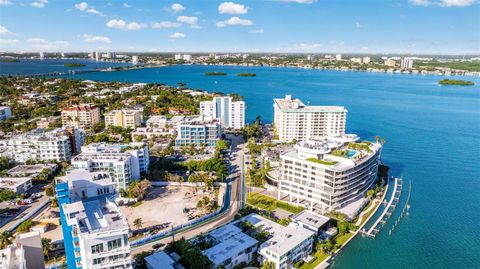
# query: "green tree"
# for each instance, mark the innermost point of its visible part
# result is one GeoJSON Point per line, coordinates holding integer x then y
{"type": "Point", "coordinates": [47, 247]}
{"type": "Point", "coordinates": [5, 239]}
{"type": "Point", "coordinates": [267, 265]}
{"type": "Point", "coordinates": [138, 223]}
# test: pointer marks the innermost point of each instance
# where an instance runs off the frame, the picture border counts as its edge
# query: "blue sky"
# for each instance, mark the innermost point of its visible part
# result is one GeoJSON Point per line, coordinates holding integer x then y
{"type": "Point", "coordinates": [305, 26]}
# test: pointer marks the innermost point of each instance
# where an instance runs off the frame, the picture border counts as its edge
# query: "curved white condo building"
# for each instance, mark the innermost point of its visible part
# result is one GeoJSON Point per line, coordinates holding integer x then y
{"type": "Point", "coordinates": [329, 173]}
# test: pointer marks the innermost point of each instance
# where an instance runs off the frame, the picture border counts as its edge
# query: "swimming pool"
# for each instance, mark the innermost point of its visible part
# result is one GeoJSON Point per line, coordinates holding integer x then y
{"type": "Point", "coordinates": [351, 153]}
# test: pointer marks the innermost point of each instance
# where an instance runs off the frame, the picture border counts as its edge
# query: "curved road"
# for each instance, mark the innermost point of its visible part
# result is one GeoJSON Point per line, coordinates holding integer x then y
{"type": "Point", "coordinates": [235, 186]}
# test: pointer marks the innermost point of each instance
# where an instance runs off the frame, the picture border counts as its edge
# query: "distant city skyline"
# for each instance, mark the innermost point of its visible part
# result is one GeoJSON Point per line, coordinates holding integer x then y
{"type": "Point", "coordinates": [273, 26]}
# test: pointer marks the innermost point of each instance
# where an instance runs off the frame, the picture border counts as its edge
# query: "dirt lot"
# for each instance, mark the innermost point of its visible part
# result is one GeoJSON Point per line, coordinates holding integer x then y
{"type": "Point", "coordinates": [164, 205]}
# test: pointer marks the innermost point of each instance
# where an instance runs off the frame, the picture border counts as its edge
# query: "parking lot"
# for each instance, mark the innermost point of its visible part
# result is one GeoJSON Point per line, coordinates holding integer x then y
{"type": "Point", "coordinates": [165, 206]}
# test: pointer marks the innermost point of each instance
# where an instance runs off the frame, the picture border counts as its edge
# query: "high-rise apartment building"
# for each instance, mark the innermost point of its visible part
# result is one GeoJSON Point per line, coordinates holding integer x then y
{"type": "Point", "coordinates": [231, 114]}
{"type": "Point", "coordinates": [294, 120]}
{"type": "Point", "coordinates": [125, 118]}
{"type": "Point", "coordinates": [406, 62]}
{"type": "Point", "coordinates": [81, 116]}
{"type": "Point", "coordinates": [95, 233]}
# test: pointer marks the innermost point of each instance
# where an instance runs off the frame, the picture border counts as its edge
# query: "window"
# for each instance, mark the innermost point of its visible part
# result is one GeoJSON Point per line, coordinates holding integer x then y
{"type": "Point", "coordinates": [114, 244]}
{"type": "Point", "coordinates": [97, 248]}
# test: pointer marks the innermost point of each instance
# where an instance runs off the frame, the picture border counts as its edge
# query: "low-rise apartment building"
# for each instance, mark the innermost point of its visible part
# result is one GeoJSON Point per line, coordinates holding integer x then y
{"type": "Point", "coordinates": [295, 120]}
{"type": "Point", "coordinates": [81, 116]}
{"type": "Point", "coordinates": [125, 118]}
{"type": "Point", "coordinates": [25, 253]}
{"type": "Point", "coordinates": [95, 233]}
{"type": "Point", "coordinates": [18, 185]}
{"type": "Point", "coordinates": [201, 131]}
{"type": "Point", "coordinates": [37, 145]}
{"type": "Point", "coordinates": [124, 162]}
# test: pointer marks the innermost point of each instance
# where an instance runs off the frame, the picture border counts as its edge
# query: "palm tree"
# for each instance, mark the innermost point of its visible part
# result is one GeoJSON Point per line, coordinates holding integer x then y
{"type": "Point", "coordinates": [47, 247]}
{"type": "Point", "coordinates": [377, 138]}
{"type": "Point", "coordinates": [383, 141]}
{"type": "Point", "coordinates": [5, 239]}
{"type": "Point", "coordinates": [138, 223]}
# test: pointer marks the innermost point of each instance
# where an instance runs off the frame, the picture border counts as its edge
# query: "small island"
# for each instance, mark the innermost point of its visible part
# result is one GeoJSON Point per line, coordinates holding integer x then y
{"type": "Point", "coordinates": [215, 73]}
{"type": "Point", "coordinates": [246, 74]}
{"type": "Point", "coordinates": [74, 65]}
{"type": "Point", "coordinates": [9, 60]}
{"type": "Point", "coordinates": [456, 82]}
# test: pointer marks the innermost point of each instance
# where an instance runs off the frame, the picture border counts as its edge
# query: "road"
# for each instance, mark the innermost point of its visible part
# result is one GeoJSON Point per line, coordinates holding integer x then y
{"type": "Point", "coordinates": [235, 183]}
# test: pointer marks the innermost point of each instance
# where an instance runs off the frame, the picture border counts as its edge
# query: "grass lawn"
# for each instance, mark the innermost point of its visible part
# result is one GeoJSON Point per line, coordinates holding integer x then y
{"type": "Point", "coordinates": [268, 203]}
{"type": "Point", "coordinates": [320, 257]}
{"type": "Point", "coordinates": [341, 239]}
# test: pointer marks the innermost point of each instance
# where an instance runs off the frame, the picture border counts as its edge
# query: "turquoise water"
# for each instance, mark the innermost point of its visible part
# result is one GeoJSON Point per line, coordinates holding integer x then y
{"type": "Point", "coordinates": [432, 138]}
{"type": "Point", "coordinates": [351, 153]}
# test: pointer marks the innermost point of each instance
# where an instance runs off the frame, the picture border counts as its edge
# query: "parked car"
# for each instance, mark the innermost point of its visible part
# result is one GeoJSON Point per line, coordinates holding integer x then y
{"type": "Point", "coordinates": [158, 245]}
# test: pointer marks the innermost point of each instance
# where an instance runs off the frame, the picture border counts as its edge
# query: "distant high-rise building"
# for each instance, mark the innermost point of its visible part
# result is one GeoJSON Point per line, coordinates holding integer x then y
{"type": "Point", "coordinates": [187, 57]}
{"type": "Point", "coordinates": [81, 116]}
{"type": "Point", "coordinates": [125, 118]}
{"type": "Point", "coordinates": [230, 113]}
{"type": "Point", "coordinates": [62, 55]}
{"type": "Point", "coordinates": [41, 55]}
{"type": "Point", "coordinates": [390, 62]}
{"type": "Point", "coordinates": [338, 57]}
{"type": "Point", "coordinates": [97, 56]}
{"type": "Point", "coordinates": [406, 62]}
{"type": "Point", "coordinates": [134, 59]}
{"type": "Point", "coordinates": [356, 60]}
{"type": "Point", "coordinates": [309, 57]}
{"type": "Point", "coordinates": [92, 55]}
{"type": "Point", "coordinates": [366, 60]}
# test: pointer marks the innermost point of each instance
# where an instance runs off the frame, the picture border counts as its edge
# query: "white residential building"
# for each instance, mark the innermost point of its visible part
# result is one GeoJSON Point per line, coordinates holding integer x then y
{"type": "Point", "coordinates": [18, 185]}
{"type": "Point", "coordinates": [366, 60]}
{"type": "Point", "coordinates": [124, 162]}
{"type": "Point", "coordinates": [81, 116]}
{"type": "Point", "coordinates": [177, 57]}
{"type": "Point", "coordinates": [329, 173]}
{"type": "Point", "coordinates": [406, 62]}
{"type": "Point", "coordinates": [187, 57]}
{"type": "Point", "coordinates": [5, 112]}
{"type": "Point", "coordinates": [230, 246]}
{"type": "Point", "coordinates": [202, 131]}
{"type": "Point", "coordinates": [95, 233]}
{"type": "Point", "coordinates": [288, 246]}
{"type": "Point", "coordinates": [231, 114]}
{"type": "Point", "coordinates": [338, 57]}
{"type": "Point", "coordinates": [134, 59]}
{"type": "Point", "coordinates": [125, 118]}
{"type": "Point", "coordinates": [390, 62]}
{"type": "Point", "coordinates": [25, 253]}
{"type": "Point", "coordinates": [56, 145]}
{"type": "Point", "coordinates": [294, 120]}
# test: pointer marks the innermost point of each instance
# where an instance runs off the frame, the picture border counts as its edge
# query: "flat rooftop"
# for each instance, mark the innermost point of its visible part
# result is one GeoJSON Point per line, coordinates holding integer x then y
{"type": "Point", "coordinates": [160, 260]}
{"type": "Point", "coordinates": [265, 224]}
{"type": "Point", "coordinates": [288, 104]}
{"type": "Point", "coordinates": [286, 239]}
{"type": "Point", "coordinates": [30, 169]}
{"type": "Point", "coordinates": [311, 219]}
{"type": "Point", "coordinates": [9, 182]}
{"type": "Point", "coordinates": [230, 241]}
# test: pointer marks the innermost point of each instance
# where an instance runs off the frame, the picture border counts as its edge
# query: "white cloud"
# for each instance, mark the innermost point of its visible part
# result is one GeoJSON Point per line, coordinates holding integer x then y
{"type": "Point", "coordinates": [83, 6]}
{"type": "Point", "coordinates": [234, 21]}
{"type": "Point", "coordinates": [257, 31]}
{"type": "Point", "coordinates": [5, 31]}
{"type": "Point", "coordinates": [177, 35]}
{"type": "Point", "coordinates": [442, 3]}
{"type": "Point", "coordinates": [232, 8]}
{"type": "Point", "coordinates": [297, 1]}
{"type": "Point", "coordinates": [308, 46]}
{"type": "Point", "coordinates": [187, 20]}
{"type": "Point", "coordinates": [125, 5]}
{"type": "Point", "coordinates": [423, 3]}
{"type": "Point", "coordinates": [39, 3]}
{"type": "Point", "coordinates": [358, 25]}
{"type": "Point", "coordinates": [456, 3]}
{"type": "Point", "coordinates": [42, 44]}
{"type": "Point", "coordinates": [5, 3]}
{"type": "Point", "coordinates": [165, 24]}
{"type": "Point", "coordinates": [94, 39]}
{"type": "Point", "coordinates": [121, 24]}
{"type": "Point", "coordinates": [8, 41]}
{"type": "Point", "coordinates": [177, 8]}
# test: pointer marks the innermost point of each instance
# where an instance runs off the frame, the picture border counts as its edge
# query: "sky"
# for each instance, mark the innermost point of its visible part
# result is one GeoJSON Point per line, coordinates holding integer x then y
{"type": "Point", "coordinates": [278, 26]}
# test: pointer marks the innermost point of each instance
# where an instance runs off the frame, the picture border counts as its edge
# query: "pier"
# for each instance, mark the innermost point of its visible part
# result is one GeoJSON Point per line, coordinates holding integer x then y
{"type": "Point", "coordinates": [388, 211]}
